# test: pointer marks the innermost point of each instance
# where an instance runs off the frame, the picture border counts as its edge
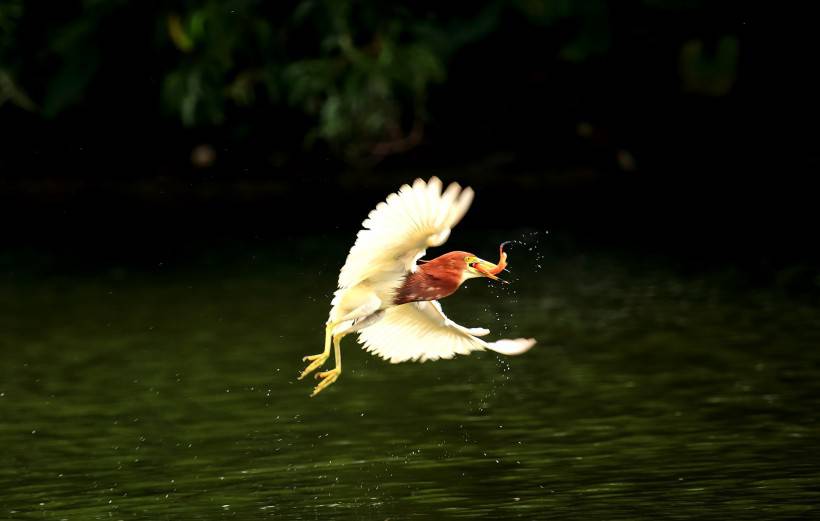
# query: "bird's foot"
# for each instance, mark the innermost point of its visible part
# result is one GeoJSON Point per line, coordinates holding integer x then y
{"type": "Point", "coordinates": [316, 361]}
{"type": "Point", "coordinates": [328, 377]}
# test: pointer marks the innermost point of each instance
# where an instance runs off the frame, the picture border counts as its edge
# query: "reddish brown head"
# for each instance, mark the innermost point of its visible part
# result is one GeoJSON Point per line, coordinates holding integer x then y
{"type": "Point", "coordinates": [442, 276]}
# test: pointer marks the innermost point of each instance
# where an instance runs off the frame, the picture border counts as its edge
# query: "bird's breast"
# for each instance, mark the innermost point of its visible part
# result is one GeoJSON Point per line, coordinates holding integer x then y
{"type": "Point", "coordinates": [419, 286]}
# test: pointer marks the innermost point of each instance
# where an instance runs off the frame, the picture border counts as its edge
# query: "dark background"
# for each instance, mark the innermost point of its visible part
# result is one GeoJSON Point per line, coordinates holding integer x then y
{"type": "Point", "coordinates": [134, 132]}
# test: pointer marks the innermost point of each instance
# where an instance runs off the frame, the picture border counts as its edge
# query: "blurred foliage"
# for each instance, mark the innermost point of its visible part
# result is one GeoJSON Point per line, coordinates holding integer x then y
{"type": "Point", "coordinates": [358, 72]}
{"type": "Point", "coordinates": [711, 73]}
{"type": "Point", "coordinates": [10, 13]}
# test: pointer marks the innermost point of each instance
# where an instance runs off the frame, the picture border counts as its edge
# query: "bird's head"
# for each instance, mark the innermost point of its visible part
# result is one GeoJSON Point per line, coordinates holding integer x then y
{"type": "Point", "coordinates": [476, 267]}
{"type": "Point", "coordinates": [452, 269]}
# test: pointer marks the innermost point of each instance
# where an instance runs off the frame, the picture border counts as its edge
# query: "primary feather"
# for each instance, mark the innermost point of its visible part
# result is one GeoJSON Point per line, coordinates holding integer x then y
{"type": "Point", "coordinates": [398, 231]}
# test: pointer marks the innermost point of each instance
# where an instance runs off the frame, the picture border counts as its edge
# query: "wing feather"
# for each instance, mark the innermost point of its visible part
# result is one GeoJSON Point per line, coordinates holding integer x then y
{"type": "Point", "coordinates": [420, 331]}
{"type": "Point", "coordinates": [399, 230]}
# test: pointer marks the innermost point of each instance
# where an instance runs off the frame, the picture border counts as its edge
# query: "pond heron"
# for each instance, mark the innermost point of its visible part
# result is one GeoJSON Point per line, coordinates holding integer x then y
{"type": "Point", "coordinates": [390, 298]}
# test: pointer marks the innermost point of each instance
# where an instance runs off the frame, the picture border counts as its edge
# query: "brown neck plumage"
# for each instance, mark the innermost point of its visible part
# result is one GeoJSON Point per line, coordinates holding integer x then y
{"type": "Point", "coordinates": [435, 279]}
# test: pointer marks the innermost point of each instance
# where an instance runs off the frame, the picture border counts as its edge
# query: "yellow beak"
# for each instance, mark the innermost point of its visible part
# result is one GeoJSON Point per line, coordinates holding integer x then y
{"type": "Point", "coordinates": [489, 270]}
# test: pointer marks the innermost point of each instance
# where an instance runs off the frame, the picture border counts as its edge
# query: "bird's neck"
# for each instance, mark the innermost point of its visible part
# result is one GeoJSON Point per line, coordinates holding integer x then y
{"type": "Point", "coordinates": [433, 280]}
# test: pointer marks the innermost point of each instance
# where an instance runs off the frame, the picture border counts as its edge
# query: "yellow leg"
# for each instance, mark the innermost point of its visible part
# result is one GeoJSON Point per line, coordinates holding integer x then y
{"type": "Point", "coordinates": [328, 377]}
{"type": "Point", "coordinates": [317, 361]}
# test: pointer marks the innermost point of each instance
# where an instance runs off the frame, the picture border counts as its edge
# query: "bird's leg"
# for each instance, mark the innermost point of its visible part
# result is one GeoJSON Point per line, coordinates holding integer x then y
{"type": "Point", "coordinates": [317, 361]}
{"type": "Point", "coordinates": [365, 311]}
{"type": "Point", "coordinates": [328, 377]}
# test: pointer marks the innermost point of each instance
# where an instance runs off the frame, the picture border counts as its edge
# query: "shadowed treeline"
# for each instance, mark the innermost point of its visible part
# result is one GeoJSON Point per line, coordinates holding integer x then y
{"type": "Point", "coordinates": [634, 122]}
{"type": "Point", "coordinates": [361, 81]}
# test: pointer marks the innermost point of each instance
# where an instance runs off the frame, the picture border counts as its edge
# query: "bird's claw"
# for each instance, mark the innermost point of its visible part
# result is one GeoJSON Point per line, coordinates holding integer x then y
{"type": "Point", "coordinates": [328, 377]}
{"type": "Point", "coordinates": [316, 361]}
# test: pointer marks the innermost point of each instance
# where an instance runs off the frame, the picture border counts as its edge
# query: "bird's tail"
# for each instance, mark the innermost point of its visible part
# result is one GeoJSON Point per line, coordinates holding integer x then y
{"type": "Point", "coordinates": [511, 347]}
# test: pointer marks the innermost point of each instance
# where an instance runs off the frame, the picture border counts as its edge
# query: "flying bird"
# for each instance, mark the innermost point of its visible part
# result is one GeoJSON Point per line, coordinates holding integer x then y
{"type": "Point", "coordinates": [390, 298]}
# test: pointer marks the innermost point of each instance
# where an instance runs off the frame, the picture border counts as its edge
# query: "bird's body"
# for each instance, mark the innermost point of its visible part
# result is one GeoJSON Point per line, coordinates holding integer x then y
{"type": "Point", "coordinates": [390, 300]}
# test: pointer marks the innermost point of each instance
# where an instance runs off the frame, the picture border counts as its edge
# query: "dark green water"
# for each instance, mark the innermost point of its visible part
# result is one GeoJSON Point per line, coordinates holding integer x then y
{"type": "Point", "coordinates": [170, 393]}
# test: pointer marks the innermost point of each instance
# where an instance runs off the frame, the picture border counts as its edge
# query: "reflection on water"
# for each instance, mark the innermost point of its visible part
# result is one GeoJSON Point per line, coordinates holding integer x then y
{"type": "Point", "coordinates": [172, 395]}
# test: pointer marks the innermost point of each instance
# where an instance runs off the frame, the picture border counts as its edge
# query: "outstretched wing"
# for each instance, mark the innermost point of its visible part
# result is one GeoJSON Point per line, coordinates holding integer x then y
{"type": "Point", "coordinates": [421, 331]}
{"type": "Point", "coordinates": [398, 231]}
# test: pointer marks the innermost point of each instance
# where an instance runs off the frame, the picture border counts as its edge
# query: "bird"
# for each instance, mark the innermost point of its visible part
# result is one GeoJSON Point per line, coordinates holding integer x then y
{"type": "Point", "coordinates": [389, 295]}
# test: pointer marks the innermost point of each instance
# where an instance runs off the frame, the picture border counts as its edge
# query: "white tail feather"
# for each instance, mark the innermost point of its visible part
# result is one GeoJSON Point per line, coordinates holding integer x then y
{"type": "Point", "coordinates": [511, 347]}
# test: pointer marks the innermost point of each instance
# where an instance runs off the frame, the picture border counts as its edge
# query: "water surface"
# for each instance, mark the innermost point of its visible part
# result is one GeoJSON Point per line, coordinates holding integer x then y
{"type": "Point", "coordinates": [170, 393]}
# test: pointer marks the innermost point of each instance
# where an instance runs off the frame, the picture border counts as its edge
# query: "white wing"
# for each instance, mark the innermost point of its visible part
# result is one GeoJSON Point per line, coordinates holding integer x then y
{"type": "Point", "coordinates": [421, 331]}
{"type": "Point", "coordinates": [398, 231]}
